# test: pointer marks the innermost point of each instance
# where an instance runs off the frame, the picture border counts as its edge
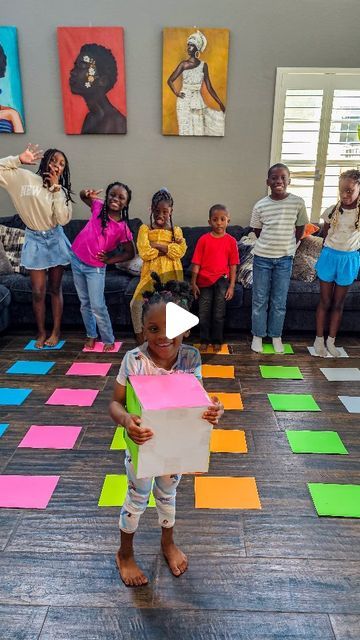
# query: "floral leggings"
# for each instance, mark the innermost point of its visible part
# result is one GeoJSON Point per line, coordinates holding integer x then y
{"type": "Point", "coordinates": [137, 498]}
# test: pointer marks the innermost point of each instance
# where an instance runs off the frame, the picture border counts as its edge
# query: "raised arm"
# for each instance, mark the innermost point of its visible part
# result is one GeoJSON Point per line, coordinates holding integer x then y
{"type": "Point", "coordinates": [210, 88]}
{"type": "Point", "coordinates": [174, 76]}
{"type": "Point", "coordinates": [10, 165]}
{"type": "Point", "coordinates": [88, 195]}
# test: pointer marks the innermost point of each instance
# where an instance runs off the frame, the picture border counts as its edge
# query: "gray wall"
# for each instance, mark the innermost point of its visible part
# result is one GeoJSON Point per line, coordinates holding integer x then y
{"type": "Point", "coordinates": [264, 34]}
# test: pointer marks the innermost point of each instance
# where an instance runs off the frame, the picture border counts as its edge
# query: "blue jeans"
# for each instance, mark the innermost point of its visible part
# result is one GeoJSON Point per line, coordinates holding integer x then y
{"type": "Point", "coordinates": [90, 284]}
{"type": "Point", "coordinates": [271, 279]}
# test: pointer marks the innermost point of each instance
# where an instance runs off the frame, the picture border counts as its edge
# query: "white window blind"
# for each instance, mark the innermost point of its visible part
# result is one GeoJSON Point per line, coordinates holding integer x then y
{"type": "Point", "coordinates": [316, 131]}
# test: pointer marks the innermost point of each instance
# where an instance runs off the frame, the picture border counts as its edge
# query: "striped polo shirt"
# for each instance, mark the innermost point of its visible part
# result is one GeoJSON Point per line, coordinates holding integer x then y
{"type": "Point", "coordinates": [277, 220]}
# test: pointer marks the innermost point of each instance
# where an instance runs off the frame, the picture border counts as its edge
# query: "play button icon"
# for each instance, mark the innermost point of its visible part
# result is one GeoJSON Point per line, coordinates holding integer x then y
{"type": "Point", "coordinates": [178, 320]}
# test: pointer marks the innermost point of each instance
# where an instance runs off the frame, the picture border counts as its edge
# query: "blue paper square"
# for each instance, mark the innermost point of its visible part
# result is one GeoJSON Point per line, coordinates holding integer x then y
{"type": "Point", "coordinates": [3, 427]}
{"type": "Point", "coordinates": [31, 346]}
{"type": "Point", "coordinates": [31, 367]}
{"type": "Point", "coordinates": [10, 396]}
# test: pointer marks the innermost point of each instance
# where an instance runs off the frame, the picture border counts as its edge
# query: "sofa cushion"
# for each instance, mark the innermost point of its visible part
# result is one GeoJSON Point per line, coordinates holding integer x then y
{"type": "Point", "coordinates": [5, 265]}
{"type": "Point", "coordinates": [5, 297]}
{"type": "Point", "coordinates": [13, 241]}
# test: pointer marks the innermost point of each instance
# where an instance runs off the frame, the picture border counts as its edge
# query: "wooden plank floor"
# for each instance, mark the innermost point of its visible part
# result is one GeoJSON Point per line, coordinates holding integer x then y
{"type": "Point", "coordinates": [279, 573]}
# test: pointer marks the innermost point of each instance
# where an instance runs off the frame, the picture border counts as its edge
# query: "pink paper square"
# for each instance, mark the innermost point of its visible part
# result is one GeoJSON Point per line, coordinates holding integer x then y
{"type": "Point", "coordinates": [99, 348]}
{"type": "Point", "coordinates": [27, 492]}
{"type": "Point", "coordinates": [169, 392]}
{"type": "Point", "coordinates": [89, 369]}
{"type": "Point", "coordinates": [74, 397]}
{"type": "Point", "coordinates": [50, 437]}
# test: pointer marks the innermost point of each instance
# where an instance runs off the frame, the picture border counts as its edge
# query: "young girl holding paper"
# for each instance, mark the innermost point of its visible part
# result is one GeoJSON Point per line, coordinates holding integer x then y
{"type": "Point", "coordinates": [157, 356]}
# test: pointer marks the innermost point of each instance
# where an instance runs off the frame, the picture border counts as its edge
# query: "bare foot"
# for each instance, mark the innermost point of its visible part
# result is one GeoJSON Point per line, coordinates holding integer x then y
{"type": "Point", "coordinates": [176, 559]}
{"type": "Point", "coordinates": [130, 573]}
{"type": "Point", "coordinates": [109, 347]}
{"type": "Point", "coordinates": [89, 343]}
{"type": "Point", "coordinates": [52, 340]}
{"type": "Point", "coordinates": [217, 347]}
{"type": "Point", "coordinates": [40, 341]}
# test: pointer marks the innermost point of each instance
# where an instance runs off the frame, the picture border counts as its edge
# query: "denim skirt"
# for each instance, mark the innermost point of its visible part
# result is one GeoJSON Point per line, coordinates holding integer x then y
{"type": "Point", "coordinates": [45, 249]}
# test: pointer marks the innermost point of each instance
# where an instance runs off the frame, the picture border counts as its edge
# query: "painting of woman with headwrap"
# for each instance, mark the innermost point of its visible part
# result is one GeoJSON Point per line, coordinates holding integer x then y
{"type": "Point", "coordinates": [199, 107]}
{"type": "Point", "coordinates": [11, 104]}
{"type": "Point", "coordinates": [93, 79]}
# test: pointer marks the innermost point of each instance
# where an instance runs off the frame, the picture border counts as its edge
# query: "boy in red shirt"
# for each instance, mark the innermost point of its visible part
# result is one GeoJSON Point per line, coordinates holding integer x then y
{"type": "Point", "coordinates": [213, 276]}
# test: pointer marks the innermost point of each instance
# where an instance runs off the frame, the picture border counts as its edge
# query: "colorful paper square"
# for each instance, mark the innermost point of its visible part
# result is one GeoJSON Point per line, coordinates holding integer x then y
{"type": "Point", "coordinates": [113, 492]}
{"type": "Point", "coordinates": [50, 437]}
{"type": "Point", "coordinates": [118, 441]}
{"type": "Point", "coordinates": [11, 396]}
{"type": "Point", "coordinates": [31, 367]}
{"type": "Point", "coordinates": [27, 492]}
{"type": "Point", "coordinates": [341, 374]}
{"type": "Point", "coordinates": [99, 348]}
{"type": "Point", "coordinates": [224, 351]}
{"type": "Point", "coordinates": [351, 403]}
{"type": "Point", "coordinates": [3, 427]}
{"type": "Point", "coordinates": [217, 371]}
{"type": "Point", "coordinates": [31, 346]}
{"type": "Point", "coordinates": [230, 400]}
{"type": "Point", "coordinates": [280, 373]}
{"type": "Point", "coordinates": [293, 402]}
{"type": "Point", "coordinates": [338, 500]}
{"type": "Point", "coordinates": [342, 351]}
{"type": "Point", "coordinates": [315, 442]}
{"type": "Point", "coordinates": [169, 392]}
{"type": "Point", "coordinates": [73, 397]}
{"type": "Point", "coordinates": [89, 369]}
{"type": "Point", "coordinates": [228, 441]}
{"type": "Point", "coordinates": [226, 493]}
{"type": "Point", "coordinates": [269, 349]}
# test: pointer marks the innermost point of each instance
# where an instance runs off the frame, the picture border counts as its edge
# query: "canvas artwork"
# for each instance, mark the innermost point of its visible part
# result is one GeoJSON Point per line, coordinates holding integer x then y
{"type": "Point", "coordinates": [92, 65]}
{"type": "Point", "coordinates": [11, 103]}
{"type": "Point", "coordinates": [195, 63]}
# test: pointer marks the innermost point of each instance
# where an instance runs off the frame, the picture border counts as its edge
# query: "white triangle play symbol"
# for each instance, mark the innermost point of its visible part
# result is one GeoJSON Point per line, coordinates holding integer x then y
{"type": "Point", "coordinates": [178, 320]}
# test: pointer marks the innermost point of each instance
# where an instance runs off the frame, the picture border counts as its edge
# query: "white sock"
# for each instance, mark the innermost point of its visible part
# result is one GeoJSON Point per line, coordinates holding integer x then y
{"type": "Point", "coordinates": [330, 345]}
{"type": "Point", "coordinates": [257, 344]}
{"type": "Point", "coordinates": [319, 346]}
{"type": "Point", "coordinates": [278, 345]}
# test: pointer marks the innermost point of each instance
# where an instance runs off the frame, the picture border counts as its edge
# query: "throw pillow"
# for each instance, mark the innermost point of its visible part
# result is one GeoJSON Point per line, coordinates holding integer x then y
{"type": "Point", "coordinates": [245, 269]}
{"type": "Point", "coordinates": [305, 259]}
{"type": "Point", "coordinates": [133, 266]}
{"type": "Point", "coordinates": [310, 228]}
{"type": "Point", "coordinates": [13, 240]}
{"type": "Point", "coordinates": [5, 266]}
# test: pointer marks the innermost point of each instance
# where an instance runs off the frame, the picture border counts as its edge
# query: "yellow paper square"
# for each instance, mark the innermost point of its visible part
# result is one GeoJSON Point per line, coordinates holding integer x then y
{"type": "Point", "coordinates": [217, 371]}
{"type": "Point", "coordinates": [228, 441]}
{"type": "Point", "coordinates": [229, 400]}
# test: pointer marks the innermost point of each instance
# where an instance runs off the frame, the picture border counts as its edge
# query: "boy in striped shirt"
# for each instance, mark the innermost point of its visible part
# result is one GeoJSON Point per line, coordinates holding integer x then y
{"type": "Point", "coordinates": [278, 221]}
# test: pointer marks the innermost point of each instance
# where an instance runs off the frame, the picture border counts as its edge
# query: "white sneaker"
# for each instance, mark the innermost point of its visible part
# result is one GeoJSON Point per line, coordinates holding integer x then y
{"type": "Point", "coordinates": [257, 344]}
{"type": "Point", "coordinates": [330, 345]}
{"type": "Point", "coordinates": [278, 345]}
{"type": "Point", "coordinates": [319, 347]}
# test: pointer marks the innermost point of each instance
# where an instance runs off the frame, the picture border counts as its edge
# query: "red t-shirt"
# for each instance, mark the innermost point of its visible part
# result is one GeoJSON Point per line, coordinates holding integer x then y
{"type": "Point", "coordinates": [215, 256]}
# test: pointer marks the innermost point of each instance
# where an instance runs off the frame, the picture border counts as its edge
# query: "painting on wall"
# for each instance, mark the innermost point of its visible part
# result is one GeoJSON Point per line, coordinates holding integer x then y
{"type": "Point", "coordinates": [195, 63]}
{"type": "Point", "coordinates": [92, 66]}
{"type": "Point", "coordinates": [11, 103]}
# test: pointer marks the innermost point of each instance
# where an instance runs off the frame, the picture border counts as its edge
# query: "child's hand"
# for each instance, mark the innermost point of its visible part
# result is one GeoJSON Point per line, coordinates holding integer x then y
{"type": "Point", "coordinates": [229, 293]}
{"type": "Point", "coordinates": [103, 257]}
{"type": "Point", "coordinates": [137, 433]}
{"type": "Point", "coordinates": [196, 291]}
{"type": "Point", "coordinates": [92, 194]}
{"type": "Point", "coordinates": [31, 154]}
{"type": "Point", "coordinates": [178, 240]}
{"type": "Point", "coordinates": [214, 412]}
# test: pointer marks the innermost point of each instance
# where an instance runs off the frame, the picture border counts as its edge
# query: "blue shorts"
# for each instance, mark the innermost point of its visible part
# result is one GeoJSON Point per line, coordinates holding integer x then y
{"type": "Point", "coordinates": [45, 249]}
{"type": "Point", "coordinates": [341, 267]}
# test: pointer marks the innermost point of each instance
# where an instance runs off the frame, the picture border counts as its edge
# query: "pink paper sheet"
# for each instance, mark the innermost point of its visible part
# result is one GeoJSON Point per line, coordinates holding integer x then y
{"type": "Point", "coordinates": [27, 492]}
{"type": "Point", "coordinates": [89, 369]}
{"type": "Point", "coordinates": [99, 348]}
{"type": "Point", "coordinates": [74, 397]}
{"type": "Point", "coordinates": [50, 437]}
{"type": "Point", "coordinates": [169, 392]}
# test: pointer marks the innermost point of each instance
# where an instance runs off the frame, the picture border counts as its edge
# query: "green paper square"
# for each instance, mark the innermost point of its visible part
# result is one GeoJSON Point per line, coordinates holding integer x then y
{"type": "Point", "coordinates": [118, 442]}
{"type": "Point", "coordinates": [315, 442]}
{"type": "Point", "coordinates": [292, 402]}
{"type": "Point", "coordinates": [339, 500]}
{"type": "Point", "coordinates": [268, 348]}
{"type": "Point", "coordinates": [280, 373]}
{"type": "Point", "coordinates": [113, 492]}
{"type": "Point", "coordinates": [132, 406]}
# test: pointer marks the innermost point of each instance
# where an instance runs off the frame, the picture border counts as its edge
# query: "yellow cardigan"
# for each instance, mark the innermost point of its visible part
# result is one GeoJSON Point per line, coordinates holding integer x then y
{"type": "Point", "coordinates": [168, 267]}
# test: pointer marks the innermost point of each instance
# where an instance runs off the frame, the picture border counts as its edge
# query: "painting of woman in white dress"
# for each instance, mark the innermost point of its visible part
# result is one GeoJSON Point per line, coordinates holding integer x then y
{"type": "Point", "coordinates": [195, 94]}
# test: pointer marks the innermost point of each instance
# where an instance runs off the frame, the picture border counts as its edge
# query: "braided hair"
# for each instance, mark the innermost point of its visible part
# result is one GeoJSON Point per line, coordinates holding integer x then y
{"type": "Point", "coordinates": [176, 291]}
{"type": "Point", "coordinates": [64, 179]}
{"type": "Point", "coordinates": [163, 195]}
{"type": "Point", "coordinates": [351, 174]}
{"type": "Point", "coordinates": [104, 213]}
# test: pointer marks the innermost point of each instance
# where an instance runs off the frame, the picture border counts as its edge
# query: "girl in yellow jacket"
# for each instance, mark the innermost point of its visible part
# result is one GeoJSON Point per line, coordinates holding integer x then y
{"type": "Point", "coordinates": [161, 247]}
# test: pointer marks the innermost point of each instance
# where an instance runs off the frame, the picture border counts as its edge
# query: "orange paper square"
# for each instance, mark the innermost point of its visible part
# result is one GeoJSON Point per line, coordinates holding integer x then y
{"type": "Point", "coordinates": [228, 441]}
{"type": "Point", "coordinates": [217, 371]}
{"type": "Point", "coordinates": [226, 493]}
{"type": "Point", "coordinates": [224, 351]}
{"type": "Point", "coordinates": [229, 400]}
